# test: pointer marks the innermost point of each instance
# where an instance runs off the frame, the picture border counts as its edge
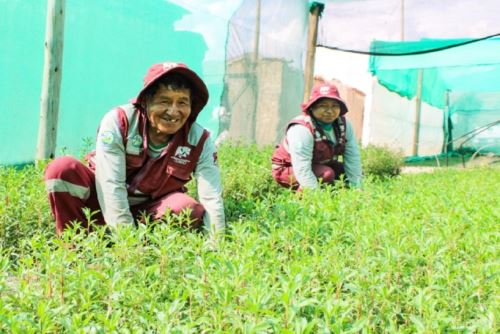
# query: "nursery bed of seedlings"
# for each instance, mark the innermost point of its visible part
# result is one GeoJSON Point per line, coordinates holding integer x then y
{"type": "Point", "coordinates": [410, 253]}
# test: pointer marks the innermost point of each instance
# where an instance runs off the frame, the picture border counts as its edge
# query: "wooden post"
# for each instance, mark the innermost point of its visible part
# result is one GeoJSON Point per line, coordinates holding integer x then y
{"type": "Point", "coordinates": [402, 20]}
{"type": "Point", "coordinates": [418, 107]}
{"type": "Point", "coordinates": [257, 35]}
{"type": "Point", "coordinates": [51, 86]}
{"type": "Point", "coordinates": [446, 115]}
{"type": "Point", "coordinates": [446, 111]}
{"type": "Point", "coordinates": [312, 36]}
{"type": "Point", "coordinates": [255, 82]}
{"type": "Point", "coordinates": [449, 125]}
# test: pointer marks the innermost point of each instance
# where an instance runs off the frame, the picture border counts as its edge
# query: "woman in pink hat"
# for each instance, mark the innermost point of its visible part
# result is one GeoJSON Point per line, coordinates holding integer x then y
{"type": "Point", "coordinates": [146, 152]}
{"type": "Point", "coordinates": [314, 141]}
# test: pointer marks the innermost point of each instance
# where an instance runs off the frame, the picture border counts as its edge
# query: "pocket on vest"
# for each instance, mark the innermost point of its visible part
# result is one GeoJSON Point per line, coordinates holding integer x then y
{"type": "Point", "coordinates": [180, 174]}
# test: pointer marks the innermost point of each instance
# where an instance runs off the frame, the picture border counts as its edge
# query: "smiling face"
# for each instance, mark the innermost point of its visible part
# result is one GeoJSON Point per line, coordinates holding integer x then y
{"type": "Point", "coordinates": [167, 110]}
{"type": "Point", "coordinates": [326, 110]}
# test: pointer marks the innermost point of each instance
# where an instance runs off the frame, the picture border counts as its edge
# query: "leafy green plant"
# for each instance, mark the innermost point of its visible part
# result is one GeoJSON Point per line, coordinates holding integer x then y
{"type": "Point", "coordinates": [381, 161]}
{"type": "Point", "coordinates": [412, 254]}
{"type": "Point", "coordinates": [24, 209]}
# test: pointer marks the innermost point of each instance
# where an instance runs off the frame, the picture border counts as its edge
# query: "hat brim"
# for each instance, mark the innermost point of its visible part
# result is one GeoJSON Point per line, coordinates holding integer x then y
{"type": "Point", "coordinates": [199, 89]}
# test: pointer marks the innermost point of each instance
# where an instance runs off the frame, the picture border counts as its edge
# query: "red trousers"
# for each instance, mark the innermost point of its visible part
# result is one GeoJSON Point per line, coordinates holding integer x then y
{"type": "Point", "coordinates": [327, 173]}
{"type": "Point", "coordinates": [71, 188]}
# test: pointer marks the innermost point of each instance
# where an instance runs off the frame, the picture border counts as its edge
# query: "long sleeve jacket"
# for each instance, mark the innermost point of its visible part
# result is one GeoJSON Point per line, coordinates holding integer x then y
{"type": "Point", "coordinates": [126, 175]}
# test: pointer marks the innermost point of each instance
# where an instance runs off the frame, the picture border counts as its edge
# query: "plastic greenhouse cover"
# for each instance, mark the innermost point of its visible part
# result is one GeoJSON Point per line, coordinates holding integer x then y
{"type": "Point", "coordinates": [355, 24]}
{"type": "Point", "coordinates": [109, 45]}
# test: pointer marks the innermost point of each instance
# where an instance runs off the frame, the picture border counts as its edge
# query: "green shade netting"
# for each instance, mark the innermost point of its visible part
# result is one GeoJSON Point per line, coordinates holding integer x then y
{"type": "Point", "coordinates": [263, 82]}
{"type": "Point", "coordinates": [473, 67]}
{"type": "Point", "coordinates": [108, 46]}
{"type": "Point", "coordinates": [462, 81]}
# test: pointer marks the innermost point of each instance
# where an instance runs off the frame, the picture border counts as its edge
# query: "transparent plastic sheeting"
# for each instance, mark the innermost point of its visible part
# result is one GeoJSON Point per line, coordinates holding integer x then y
{"type": "Point", "coordinates": [279, 25]}
{"type": "Point", "coordinates": [263, 80]}
{"type": "Point", "coordinates": [263, 83]}
{"type": "Point", "coordinates": [354, 24]}
{"type": "Point", "coordinates": [393, 123]}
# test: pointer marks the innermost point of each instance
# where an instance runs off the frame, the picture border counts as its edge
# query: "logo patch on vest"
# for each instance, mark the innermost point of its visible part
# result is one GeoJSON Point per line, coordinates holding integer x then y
{"type": "Point", "coordinates": [136, 141]}
{"type": "Point", "coordinates": [181, 153]}
{"type": "Point", "coordinates": [134, 145]}
{"type": "Point", "coordinates": [107, 138]}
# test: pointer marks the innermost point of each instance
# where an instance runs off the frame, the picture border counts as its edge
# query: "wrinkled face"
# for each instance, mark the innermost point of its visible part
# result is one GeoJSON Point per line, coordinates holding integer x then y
{"type": "Point", "coordinates": [168, 110]}
{"type": "Point", "coordinates": [326, 110]}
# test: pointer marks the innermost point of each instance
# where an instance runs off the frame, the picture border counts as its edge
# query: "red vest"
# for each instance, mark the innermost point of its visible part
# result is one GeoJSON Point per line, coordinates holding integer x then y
{"type": "Point", "coordinates": [324, 151]}
{"type": "Point", "coordinates": [167, 173]}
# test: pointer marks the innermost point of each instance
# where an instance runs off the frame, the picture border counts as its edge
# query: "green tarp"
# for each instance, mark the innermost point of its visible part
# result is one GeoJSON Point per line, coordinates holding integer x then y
{"type": "Point", "coordinates": [469, 68]}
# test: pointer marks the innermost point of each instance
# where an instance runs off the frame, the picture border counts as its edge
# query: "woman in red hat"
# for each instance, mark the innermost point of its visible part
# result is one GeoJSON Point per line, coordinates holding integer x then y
{"type": "Point", "coordinates": [146, 152]}
{"type": "Point", "coordinates": [314, 141]}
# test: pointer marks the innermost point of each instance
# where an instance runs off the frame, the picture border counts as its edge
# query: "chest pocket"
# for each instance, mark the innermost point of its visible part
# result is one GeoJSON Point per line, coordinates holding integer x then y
{"type": "Point", "coordinates": [183, 176]}
{"type": "Point", "coordinates": [165, 176]}
{"type": "Point", "coordinates": [323, 151]}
